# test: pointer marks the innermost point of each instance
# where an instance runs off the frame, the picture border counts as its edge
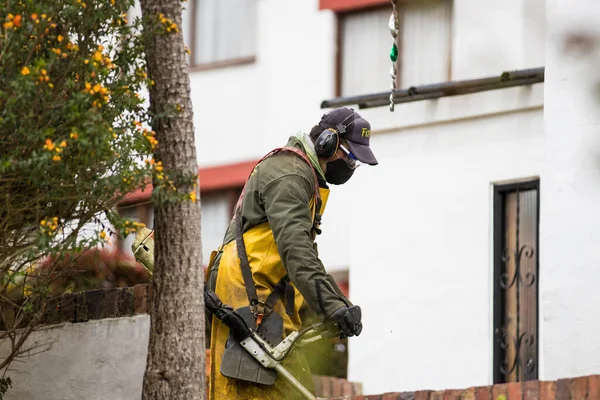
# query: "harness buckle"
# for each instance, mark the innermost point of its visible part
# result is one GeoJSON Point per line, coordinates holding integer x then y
{"type": "Point", "coordinates": [260, 310]}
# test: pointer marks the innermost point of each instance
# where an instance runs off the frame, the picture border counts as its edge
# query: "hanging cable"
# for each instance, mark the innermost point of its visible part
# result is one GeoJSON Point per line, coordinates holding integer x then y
{"type": "Point", "coordinates": [394, 28]}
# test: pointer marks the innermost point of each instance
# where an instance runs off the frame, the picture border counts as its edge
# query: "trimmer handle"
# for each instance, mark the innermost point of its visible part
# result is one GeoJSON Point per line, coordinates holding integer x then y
{"type": "Point", "coordinates": [324, 330]}
{"type": "Point", "coordinates": [356, 313]}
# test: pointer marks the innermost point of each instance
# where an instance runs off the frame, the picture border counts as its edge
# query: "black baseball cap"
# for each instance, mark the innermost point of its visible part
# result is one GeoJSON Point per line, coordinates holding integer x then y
{"type": "Point", "coordinates": [355, 129]}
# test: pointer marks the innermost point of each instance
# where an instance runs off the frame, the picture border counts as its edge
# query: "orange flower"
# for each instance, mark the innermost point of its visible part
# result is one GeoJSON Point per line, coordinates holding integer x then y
{"type": "Point", "coordinates": [74, 135]}
{"type": "Point", "coordinates": [49, 145]}
{"type": "Point", "coordinates": [34, 16]}
{"type": "Point", "coordinates": [17, 20]}
{"type": "Point", "coordinates": [56, 158]}
{"type": "Point", "coordinates": [60, 38]}
{"type": "Point", "coordinates": [25, 71]}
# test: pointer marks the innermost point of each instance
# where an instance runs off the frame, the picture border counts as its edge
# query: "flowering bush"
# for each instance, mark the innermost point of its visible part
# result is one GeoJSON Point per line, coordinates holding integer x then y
{"type": "Point", "coordinates": [71, 124]}
{"type": "Point", "coordinates": [73, 141]}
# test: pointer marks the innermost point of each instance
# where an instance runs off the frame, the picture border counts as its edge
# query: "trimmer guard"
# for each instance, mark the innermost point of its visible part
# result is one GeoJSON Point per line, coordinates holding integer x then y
{"type": "Point", "coordinates": [237, 363]}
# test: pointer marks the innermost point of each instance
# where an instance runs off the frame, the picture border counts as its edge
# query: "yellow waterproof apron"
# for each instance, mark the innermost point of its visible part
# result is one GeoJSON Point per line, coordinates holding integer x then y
{"type": "Point", "coordinates": [267, 270]}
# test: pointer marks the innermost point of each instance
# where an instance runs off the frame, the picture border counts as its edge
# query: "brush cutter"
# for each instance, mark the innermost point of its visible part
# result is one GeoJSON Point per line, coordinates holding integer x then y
{"type": "Point", "coordinates": [250, 356]}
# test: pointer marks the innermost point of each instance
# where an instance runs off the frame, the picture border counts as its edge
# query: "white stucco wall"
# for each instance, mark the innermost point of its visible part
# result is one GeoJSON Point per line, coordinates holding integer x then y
{"type": "Point", "coordinates": [570, 193]}
{"type": "Point", "coordinates": [97, 360]}
{"type": "Point", "coordinates": [420, 250]}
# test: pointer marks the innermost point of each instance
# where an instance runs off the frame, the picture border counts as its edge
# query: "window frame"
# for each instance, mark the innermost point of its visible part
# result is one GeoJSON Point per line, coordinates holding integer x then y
{"type": "Point", "coordinates": [499, 190]}
{"type": "Point", "coordinates": [193, 65]}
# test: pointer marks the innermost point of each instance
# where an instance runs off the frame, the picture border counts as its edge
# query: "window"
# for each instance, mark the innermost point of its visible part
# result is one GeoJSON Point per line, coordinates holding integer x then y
{"type": "Point", "coordinates": [424, 44]}
{"type": "Point", "coordinates": [220, 31]}
{"type": "Point", "coordinates": [516, 277]}
{"type": "Point", "coordinates": [217, 210]}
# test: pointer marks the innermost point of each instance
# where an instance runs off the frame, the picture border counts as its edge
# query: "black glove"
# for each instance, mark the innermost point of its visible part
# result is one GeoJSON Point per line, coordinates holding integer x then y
{"type": "Point", "coordinates": [347, 320]}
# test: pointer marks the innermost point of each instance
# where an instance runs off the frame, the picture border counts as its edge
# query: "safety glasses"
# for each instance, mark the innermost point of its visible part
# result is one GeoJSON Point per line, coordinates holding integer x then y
{"type": "Point", "coordinates": [349, 158]}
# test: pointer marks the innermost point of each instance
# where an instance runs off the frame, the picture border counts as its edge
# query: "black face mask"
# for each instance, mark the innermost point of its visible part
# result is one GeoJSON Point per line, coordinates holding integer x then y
{"type": "Point", "coordinates": [338, 172]}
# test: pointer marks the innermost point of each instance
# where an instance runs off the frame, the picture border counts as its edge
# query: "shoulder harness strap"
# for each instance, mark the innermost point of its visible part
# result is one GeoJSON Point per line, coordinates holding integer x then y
{"type": "Point", "coordinates": [283, 290]}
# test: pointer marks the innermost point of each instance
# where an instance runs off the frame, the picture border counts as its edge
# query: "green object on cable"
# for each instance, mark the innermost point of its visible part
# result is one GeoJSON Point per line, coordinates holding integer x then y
{"type": "Point", "coordinates": [394, 53]}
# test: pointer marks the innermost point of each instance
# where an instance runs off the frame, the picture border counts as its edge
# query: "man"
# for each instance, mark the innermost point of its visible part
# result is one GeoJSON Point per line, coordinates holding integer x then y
{"type": "Point", "coordinates": [268, 267]}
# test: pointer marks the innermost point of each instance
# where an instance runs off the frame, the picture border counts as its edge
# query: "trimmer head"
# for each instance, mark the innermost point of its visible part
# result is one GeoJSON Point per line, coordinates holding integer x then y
{"type": "Point", "coordinates": [143, 248]}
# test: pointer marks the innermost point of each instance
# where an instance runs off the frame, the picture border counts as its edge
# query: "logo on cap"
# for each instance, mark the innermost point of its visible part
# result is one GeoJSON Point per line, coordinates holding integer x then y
{"type": "Point", "coordinates": [366, 132]}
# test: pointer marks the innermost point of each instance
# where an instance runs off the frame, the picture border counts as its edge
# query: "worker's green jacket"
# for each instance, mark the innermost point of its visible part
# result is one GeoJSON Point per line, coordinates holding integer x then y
{"type": "Point", "coordinates": [280, 191]}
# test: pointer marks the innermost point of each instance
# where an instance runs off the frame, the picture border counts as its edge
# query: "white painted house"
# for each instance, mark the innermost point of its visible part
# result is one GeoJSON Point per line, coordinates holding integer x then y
{"type": "Point", "coordinates": [464, 183]}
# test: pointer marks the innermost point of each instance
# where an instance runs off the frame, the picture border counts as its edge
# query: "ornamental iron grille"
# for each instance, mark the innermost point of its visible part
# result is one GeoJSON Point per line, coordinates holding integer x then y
{"type": "Point", "coordinates": [516, 277]}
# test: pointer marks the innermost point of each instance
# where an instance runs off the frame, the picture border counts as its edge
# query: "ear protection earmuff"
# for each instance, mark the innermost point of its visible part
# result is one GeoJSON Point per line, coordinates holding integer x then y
{"type": "Point", "coordinates": [328, 142]}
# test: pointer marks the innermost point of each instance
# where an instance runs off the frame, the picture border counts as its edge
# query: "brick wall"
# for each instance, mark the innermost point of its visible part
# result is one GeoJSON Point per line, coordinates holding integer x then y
{"type": "Point", "coordinates": [580, 388]}
{"type": "Point", "coordinates": [327, 387]}
{"type": "Point", "coordinates": [93, 305]}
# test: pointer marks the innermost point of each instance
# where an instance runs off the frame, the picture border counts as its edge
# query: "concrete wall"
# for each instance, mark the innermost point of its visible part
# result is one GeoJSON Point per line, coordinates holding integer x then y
{"type": "Point", "coordinates": [570, 191]}
{"type": "Point", "coordinates": [96, 360]}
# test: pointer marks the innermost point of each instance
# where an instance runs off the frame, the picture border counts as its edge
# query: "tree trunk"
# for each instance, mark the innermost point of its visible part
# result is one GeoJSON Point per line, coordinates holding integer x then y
{"type": "Point", "coordinates": [175, 366]}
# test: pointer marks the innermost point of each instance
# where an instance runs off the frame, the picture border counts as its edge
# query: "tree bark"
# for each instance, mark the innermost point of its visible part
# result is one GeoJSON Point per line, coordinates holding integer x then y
{"type": "Point", "coordinates": [175, 366]}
